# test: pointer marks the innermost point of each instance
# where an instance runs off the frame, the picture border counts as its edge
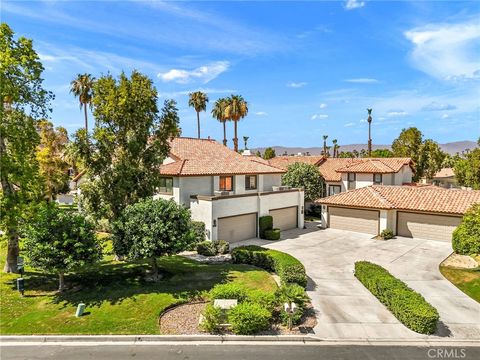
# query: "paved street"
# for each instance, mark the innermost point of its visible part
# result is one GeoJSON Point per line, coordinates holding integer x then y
{"type": "Point", "coordinates": [345, 309]}
{"type": "Point", "coordinates": [274, 351]}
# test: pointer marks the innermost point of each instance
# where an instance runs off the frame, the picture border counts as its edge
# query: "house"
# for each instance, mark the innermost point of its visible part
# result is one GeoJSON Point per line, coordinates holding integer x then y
{"type": "Point", "coordinates": [226, 190]}
{"type": "Point", "coordinates": [444, 178]}
{"type": "Point", "coordinates": [75, 183]}
{"type": "Point", "coordinates": [342, 174]}
{"type": "Point", "coordinates": [427, 212]}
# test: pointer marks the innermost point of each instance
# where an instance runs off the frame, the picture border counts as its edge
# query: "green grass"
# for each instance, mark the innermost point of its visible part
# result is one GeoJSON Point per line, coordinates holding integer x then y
{"type": "Point", "coordinates": [118, 300]}
{"type": "Point", "coordinates": [466, 280]}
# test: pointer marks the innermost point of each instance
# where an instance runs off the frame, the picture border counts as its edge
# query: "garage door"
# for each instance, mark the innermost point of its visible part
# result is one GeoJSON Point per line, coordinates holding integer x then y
{"type": "Point", "coordinates": [364, 221]}
{"type": "Point", "coordinates": [425, 226]}
{"type": "Point", "coordinates": [237, 228]}
{"type": "Point", "coordinates": [286, 218]}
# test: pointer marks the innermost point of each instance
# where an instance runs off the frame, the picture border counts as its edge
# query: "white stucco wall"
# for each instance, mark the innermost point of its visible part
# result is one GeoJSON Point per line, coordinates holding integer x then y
{"type": "Point", "coordinates": [361, 180]}
{"type": "Point", "coordinates": [270, 180]}
{"type": "Point", "coordinates": [403, 176]}
{"type": "Point", "coordinates": [194, 185]}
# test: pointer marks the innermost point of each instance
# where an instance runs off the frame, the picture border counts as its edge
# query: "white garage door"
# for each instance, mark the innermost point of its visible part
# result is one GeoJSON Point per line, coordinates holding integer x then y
{"type": "Point", "coordinates": [364, 221]}
{"type": "Point", "coordinates": [237, 228]}
{"type": "Point", "coordinates": [425, 226]}
{"type": "Point", "coordinates": [286, 218]}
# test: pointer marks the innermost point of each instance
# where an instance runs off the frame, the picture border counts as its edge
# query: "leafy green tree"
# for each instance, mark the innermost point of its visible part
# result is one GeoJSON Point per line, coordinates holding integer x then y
{"type": "Point", "coordinates": [50, 156]}
{"type": "Point", "coordinates": [466, 237]}
{"type": "Point", "coordinates": [152, 228]}
{"type": "Point", "coordinates": [306, 176]}
{"type": "Point", "coordinates": [198, 100]}
{"type": "Point", "coordinates": [345, 154]}
{"type": "Point", "coordinates": [82, 88]}
{"type": "Point", "coordinates": [431, 158]}
{"type": "Point", "coordinates": [128, 144]}
{"type": "Point", "coordinates": [382, 153]}
{"type": "Point", "coordinates": [61, 241]}
{"type": "Point", "coordinates": [467, 170]}
{"type": "Point", "coordinates": [218, 112]}
{"type": "Point", "coordinates": [408, 144]}
{"type": "Point", "coordinates": [269, 153]}
{"type": "Point", "coordinates": [22, 100]}
{"type": "Point", "coordinates": [236, 109]}
{"type": "Point", "coordinates": [450, 160]}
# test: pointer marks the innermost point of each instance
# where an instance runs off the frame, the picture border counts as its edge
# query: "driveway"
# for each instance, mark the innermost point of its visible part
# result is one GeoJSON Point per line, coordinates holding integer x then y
{"type": "Point", "coordinates": [345, 309]}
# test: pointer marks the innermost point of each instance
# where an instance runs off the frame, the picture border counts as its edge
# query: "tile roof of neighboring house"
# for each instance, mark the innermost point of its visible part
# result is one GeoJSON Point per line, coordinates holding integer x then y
{"type": "Point", "coordinates": [425, 198]}
{"type": "Point", "coordinates": [207, 157]}
{"type": "Point", "coordinates": [283, 162]}
{"type": "Point", "coordinates": [329, 166]}
{"type": "Point", "coordinates": [444, 173]}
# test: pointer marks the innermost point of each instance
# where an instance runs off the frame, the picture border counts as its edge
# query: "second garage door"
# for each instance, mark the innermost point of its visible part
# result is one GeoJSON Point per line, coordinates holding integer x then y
{"type": "Point", "coordinates": [285, 219]}
{"type": "Point", "coordinates": [364, 221]}
{"type": "Point", "coordinates": [426, 226]}
{"type": "Point", "coordinates": [237, 228]}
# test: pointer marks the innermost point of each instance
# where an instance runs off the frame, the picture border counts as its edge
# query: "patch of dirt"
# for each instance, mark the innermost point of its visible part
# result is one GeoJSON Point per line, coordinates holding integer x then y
{"type": "Point", "coordinates": [460, 261]}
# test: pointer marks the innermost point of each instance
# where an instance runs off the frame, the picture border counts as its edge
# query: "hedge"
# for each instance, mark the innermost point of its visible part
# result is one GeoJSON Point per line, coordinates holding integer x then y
{"type": "Point", "coordinates": [408, 306]}
{"type": "Point", "coordinates": [466, 237]}
{"type": "Point", "coordinates": [288, 268]}
{"type": "Point", "coordinates": [265, 223]}
{"type": "Point", "coordinates": [273, 234]}
{"type": "Point", "coordinates": [249, 318]}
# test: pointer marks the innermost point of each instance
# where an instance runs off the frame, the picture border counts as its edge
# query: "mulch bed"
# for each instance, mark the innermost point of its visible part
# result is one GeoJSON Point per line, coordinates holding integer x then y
{"type": "Point", "coordinates": [183, 320]}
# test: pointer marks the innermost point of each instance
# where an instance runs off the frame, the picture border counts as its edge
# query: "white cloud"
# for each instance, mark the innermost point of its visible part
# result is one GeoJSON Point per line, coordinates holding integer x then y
{"type": "Point", "coordinates": [203, 73]}
{"type": "Point", "coordinates": [323, 106]}
{"type": "Point", "coordinates": [445, 116]}
{"type": "Point", "coordinates": [350, 124]}
{"type": "Point", "coordinates": [261, 113]}
{"type": "Point", "coordinates": [362, 80]}
{"type": "Point", "coordinates": [447, 51]}
{"type": "Point", "coordinates": [319, 116]}
{"type": "Point", "coordinates": [296, 84]}
{"type": "Point", "coordinates": [354, 4]}
{"type": "Point", "coordinates": [363, 120]}
{"type": "Point", "coordinates": [436, 106]}
{"type": "Point", "coordinates": [393, 113]}
{"type": "Point", "coordinates": [208, 91]}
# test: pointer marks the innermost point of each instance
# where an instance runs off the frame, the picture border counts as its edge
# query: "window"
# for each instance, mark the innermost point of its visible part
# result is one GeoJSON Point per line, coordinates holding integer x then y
{"type": "Point", "coordinates": [226, 183]}
{"type": "Point", "coordinates": [351, 181]}
{"type": "Point", "coordinates": [251, 182]}
{"type": "Point", "coordinates": [377, 179]}
{"type": "Point", "coordinates": [166, 185]}
{"type": "Point", "coordinates": [334, 189]}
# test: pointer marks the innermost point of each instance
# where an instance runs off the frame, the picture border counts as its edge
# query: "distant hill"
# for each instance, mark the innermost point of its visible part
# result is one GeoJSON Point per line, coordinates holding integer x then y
{"type": "Point", "coordinates": [450, 148]}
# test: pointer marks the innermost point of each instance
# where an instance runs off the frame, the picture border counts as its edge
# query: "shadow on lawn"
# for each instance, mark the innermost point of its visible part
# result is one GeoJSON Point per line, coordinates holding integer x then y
{"type": "Point", "coordinates": [114, 282]}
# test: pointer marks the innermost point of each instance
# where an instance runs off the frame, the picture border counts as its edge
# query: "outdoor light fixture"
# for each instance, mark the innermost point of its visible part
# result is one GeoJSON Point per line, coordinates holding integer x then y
{"type": "Point", "coordinates": [80, 310]}
{"type": "Point", "coordinates": [214, 223]}
{"type": "Point", "coordinates": [21, 286]}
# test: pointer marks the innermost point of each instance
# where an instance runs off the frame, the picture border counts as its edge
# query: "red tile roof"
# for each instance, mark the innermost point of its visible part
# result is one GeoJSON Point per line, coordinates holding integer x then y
{"type": "Point", "coordinates": [425, 198]}
{"type": "Point", "coordinates": [445, 172]}
{"type": "Point", "coordinates": [375, 165]}
{"type": "Point", "coordinates": [283, 162]}
{"type": "Point", "coordinates": [207, 157]}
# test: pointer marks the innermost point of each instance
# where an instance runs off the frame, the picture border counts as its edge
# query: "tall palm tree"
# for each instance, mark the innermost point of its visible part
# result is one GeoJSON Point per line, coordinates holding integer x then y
{"type": "Point", "coordinates": [237, 108]}
{"type": "Point", "coordinates": [325, 137]}
{"type": "Point", "coordinates": [334, 142]}
{"type": "Point", "coordinates": [369, 132]}
{"type": "Point", "coordinates": [218, 112]}
{"type": "Point", "coordinates": [198, 100]}
{"type": "Point", "coordinates": [82, 87]}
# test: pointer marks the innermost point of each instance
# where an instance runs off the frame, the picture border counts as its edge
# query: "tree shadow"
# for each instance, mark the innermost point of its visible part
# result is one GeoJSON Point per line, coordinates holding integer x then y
{"type": "Point", "coordinates": [443, 330]}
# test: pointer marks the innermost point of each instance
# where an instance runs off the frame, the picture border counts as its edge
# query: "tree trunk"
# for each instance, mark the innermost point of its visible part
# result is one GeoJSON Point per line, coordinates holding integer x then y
{"type": "Point", "coordinates": [235, 139]}
{"type": "Point", "coordinates": [12, 252]}
{"type": "Point", "coordinates": [86, 119]}
{"type": "Point", "coordinates": [61, 281]}
{"type": "Point", "coordinates": [224, 133]}
{"type": "Point", "coordinates": [198, 124]}
{"type": "Point", "coordinates": [154, 269]}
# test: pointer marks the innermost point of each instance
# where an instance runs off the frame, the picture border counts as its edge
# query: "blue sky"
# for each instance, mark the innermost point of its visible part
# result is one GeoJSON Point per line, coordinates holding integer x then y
{"type": "Point", "coordinates": [306, 68]}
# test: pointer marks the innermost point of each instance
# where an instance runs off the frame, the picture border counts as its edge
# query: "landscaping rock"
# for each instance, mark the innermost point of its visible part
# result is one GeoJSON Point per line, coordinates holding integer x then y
{"type": "Point", "coordinates": [182, 319]}
{"type": "Point", "coordinates": [460, 261]}
{"type": "Point", "coordinates": [217, 259]}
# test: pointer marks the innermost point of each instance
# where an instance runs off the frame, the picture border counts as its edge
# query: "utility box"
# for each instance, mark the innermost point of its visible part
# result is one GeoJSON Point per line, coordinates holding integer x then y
{"type": "Point", "coordinates": [80, 310]}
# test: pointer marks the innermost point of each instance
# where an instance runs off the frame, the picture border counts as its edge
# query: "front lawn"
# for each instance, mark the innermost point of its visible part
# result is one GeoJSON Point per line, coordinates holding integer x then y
{"type": "Point", "coordinates": [118, 300]}
{"type": "Point", "coordinates": [466, 280]}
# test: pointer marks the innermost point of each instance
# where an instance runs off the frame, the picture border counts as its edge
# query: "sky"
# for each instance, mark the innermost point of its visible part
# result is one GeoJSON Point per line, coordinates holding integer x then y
{"type": "Point", "coordinates": [306, 69]}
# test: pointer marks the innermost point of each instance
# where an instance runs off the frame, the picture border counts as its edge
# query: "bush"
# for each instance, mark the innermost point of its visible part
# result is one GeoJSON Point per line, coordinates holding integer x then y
{"type": "Point", "coordinates": [265, 223]}
{"type": "Point", "coordinates": [103, 225]}
{"type": "Point", "coordinates": [466, 237]}
{"type": "Point", "coordinates": [386, 234]}
{"type": "Point", "coordinates": [296, 317]}
{"type": "Point", "coordinates": [314, 210]}
{"type": "Point", "coordinates": [228, 291]}
{"type": "Point", "coordinates": [292, 293]}
{"type": "Point", "coordinates": [288, 268]}
{"type": "Point", "coordinates": [206, 248]}
{"type": "Point", "coordinates": [221, 246]}
{"type": "Point", "coordinates": [198, 228]}
{"type": "Point", "coordinates": [307, 176]}
{"type": "Point", "coordinates": [248, 318]}
{"type": "Point", "coordinates": [266, 299]}
{"type": "Point", "coordinates": [212, 317]}
{"type": "Point", "coordinates": [407, 305]}
{"type": "Point", "coordinates": [273, 234]}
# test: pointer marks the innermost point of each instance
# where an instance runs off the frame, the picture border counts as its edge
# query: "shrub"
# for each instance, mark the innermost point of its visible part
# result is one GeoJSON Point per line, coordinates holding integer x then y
{"type": "Point", "coordinates": [248, 318]}
{"type": "Point", "coordinates": [292, 293]}
{"type": "Point", "coordinates": [314, 210]}
{"type": "Point", "coordinates": [103, 225]}
{"type": "Point", "coordinates": [288, 268]}
{"type": "Point", "coordinates": [228, 291]}
{"type": "Point", "coordinates": [466, 237]}
{"type": "Point", "coordinates": [296, 316]}
{"type": "Point", "coordinates": [221, 246]}
{"type": "Point", "coordinates": [265, 223]}
{"type": "Point", "coordinates": [407, 305]}
{"type": "Point", "coordinates": [307, 176]}
{"type": "Point", "coordinates": [211, 318]}
{"type": "Point", "coordinates": [198, 228]}
{"type": "Point", "coordinates": [206, 248]}
{"type": "Point", "coordinates": [273, 234]}
{"type": "Point", "coordinates": [386, 234]}
{"type": "Point", "coordinates": [266, 299]}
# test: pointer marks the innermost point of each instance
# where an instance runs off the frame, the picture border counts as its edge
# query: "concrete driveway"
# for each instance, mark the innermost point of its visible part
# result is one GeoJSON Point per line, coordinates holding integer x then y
{"type": "Point", "coordinates": [345, 309]}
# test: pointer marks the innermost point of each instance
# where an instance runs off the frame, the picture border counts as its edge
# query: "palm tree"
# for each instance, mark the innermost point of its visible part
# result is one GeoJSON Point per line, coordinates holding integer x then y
{"type": "Point", "coordinates": [198, 100]}
{"type": "Point", "coordinates": [369, 132]}
{"type": "Point", "coordinates": [325, 137]}
{"type": "Point", "coordinates": [237, 108]}
{"type": "Point", "coordinates": [82, 87]}
{"type": "Point", "coordinates": [334, 142]}
{"type": "Point", "coordinates": [218, 112]}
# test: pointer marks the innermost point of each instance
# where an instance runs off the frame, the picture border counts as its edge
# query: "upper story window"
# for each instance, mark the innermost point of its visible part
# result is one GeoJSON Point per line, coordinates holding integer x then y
{"type": "Point", "coordinates": [251, 182]}
{"type": "Point", "coordinates": [351, 181]}
{"type": "Point", "coordinates": [226, 183]}
{"type": "Point", "coordinates": [166, 185]}
{"type": "Point", "coordinates": [377, 179]}
{"type": "Point", "coordinates": [334, 189]}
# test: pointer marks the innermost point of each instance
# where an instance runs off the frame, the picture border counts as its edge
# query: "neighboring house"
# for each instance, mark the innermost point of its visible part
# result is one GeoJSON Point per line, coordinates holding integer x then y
{"type": "Point", "coordinates": [342, 174]}
{"type": "Point", "coordinates": [227, 191]}
{"type": "Point", "coordinates": [426, 212]}
{"type": "Point", "coordinates": [444, 178]}
{"type": "Point", "coordinates": [76, 182]}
